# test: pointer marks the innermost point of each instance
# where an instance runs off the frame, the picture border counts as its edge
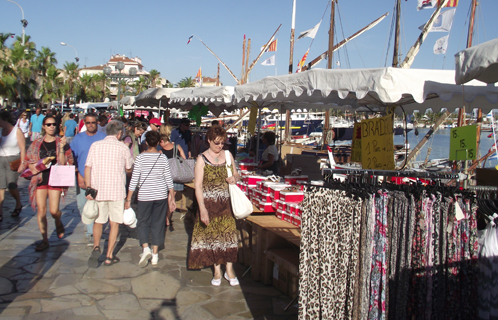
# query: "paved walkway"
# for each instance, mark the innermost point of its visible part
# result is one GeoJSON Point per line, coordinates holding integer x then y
{"type": "Point", "coordinates": [57, 283]}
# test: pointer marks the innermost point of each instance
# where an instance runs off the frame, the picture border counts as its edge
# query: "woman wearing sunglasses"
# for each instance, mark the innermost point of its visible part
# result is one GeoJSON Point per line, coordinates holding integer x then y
{"type": "Point", "coordinates": [214, 239]}
{"type": "Point", "coordinates": [49, 145]}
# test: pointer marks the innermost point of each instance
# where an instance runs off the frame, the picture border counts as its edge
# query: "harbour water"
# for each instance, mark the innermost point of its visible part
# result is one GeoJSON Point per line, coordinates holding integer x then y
{"type": "Point", "coordinates": [440, 144]}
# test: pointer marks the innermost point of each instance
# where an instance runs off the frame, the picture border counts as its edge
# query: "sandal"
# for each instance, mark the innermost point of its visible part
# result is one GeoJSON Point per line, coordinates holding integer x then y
{"type": "Point", "coordinates": [110, 261]}
{"type": "Point", "coordinates": [93, 262]}
{"type": "Point", "coordinates": [42, 246]}
{"type": "Point", "coordinates": [60, 229]}
{"type": "Point", "coordinates": [16, 212]}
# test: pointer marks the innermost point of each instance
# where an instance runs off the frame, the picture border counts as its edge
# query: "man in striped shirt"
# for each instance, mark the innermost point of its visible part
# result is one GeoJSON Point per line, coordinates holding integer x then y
{"type": "Point", "coordinates": [106, 166]}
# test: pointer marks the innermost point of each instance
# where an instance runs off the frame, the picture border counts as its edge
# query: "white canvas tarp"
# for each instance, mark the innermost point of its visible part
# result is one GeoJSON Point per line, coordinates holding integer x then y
{"type": "Point", "coordinates": [478, 62]}
{"type": "Point", "coordinates": [152, 97]}
{"type": "Point", "coordinates": [414, 89]}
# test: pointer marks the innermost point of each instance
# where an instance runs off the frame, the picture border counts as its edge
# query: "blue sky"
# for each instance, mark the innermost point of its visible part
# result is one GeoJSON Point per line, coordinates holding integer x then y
{"type": "Point", "coordinates": [157, 32]}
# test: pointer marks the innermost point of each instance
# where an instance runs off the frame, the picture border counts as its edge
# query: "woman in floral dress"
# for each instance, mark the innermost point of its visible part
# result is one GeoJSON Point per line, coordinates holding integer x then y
{"type": "Point", "coordinates": [214, 239]}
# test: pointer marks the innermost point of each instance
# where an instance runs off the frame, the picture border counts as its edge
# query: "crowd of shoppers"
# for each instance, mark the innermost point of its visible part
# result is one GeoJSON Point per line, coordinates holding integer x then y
{"type": "Point", "coordinates": [115, 158]}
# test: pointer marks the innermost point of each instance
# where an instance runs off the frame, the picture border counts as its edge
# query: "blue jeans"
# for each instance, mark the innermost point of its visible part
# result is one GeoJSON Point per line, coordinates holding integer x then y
{"type": "Point", "coordinates": [80, 201]}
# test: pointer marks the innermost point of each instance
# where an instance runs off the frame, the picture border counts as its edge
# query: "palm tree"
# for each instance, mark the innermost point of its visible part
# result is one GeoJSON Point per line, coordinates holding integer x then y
{"type": "Point", "coordinates": [140, 85]}
{"type": "Point", "coordinates": [51, 86]}
{"type": "Point", "coordinates": [186, 82]}
{"type": "Point", "coordinates": [44, 59]}
{"type": "Point", "coordinates": [71, 83]}
{"type": "Point", "coordinates": [154, 76]}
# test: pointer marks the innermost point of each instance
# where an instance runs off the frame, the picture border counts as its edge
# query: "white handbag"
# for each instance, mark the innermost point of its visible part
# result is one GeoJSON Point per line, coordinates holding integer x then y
{"type": "Point", "coordinates": [241, 205]}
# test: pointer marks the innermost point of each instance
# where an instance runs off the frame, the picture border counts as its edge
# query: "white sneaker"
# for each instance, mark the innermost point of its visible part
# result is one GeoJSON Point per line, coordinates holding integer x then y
{"type": "Point", "coordinates": [145, 257]}
{"type": "Point", "coordinates": [155, 258]}
{"type": "Point", "coordinates": [233, 282]}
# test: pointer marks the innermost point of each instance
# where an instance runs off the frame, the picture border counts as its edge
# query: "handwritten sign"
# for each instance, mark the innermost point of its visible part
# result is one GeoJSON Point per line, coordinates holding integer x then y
{"type": "Point", "coordinates": [463, 143]}
{"type": "Point", "coordinates": [356, 144]}
{"type": "Point", "coordinates": [377, 147]}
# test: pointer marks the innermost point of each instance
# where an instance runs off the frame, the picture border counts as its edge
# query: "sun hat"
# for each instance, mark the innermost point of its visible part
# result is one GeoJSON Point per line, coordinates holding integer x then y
{"type": "Point", "coordinates": [90, 212]}
{"type": "Point", "coordinates": [155, 121]}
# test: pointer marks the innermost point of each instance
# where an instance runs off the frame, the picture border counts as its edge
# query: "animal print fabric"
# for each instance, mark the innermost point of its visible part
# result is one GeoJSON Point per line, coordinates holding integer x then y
{"type": "Point", "coordinates": [330, 233]}
{"type": "Point", "coordinates": [388, 255]}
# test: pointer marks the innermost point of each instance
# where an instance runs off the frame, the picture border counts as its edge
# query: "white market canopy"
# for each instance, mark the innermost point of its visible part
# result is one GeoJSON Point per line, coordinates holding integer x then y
{"type": "Point", "coordinates": [215, 98]}
{"type": "Point", "coordinates": [414, 89]}
{"type": "Point", "coordinates": [127, 100]}
{"type": "Point", "coordinates": [154, 97]}
{"type": "Point", "coordinates": [478, 62]}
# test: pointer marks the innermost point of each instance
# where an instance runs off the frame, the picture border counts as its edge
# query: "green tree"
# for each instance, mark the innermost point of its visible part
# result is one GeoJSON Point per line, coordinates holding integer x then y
{"type": "Point", "coordinates": [50, 89]}
{"type": "Point", "coordinates": [186, 82]}
{"type": "Point", "coordinates": [71, 80]}
{"type": "Point", "coordinates": [140, 84]}
{"type": "Point", "coordinates": [154, 77]}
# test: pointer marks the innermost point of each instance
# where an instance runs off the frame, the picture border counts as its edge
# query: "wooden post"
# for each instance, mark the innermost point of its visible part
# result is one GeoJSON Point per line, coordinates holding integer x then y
{"type": "Point", "coordinates": [246, 73]}
{"type": "Point", "coordinates": [471, 24]}
{"type": "Point", "coordinates": [331, 36]}
{"type": "Point", "coordinates": [396, 36]}
{"type": "Point", "coordinates": [478, 132]}
{"type": "Point", "coordinates": [218, 76]}
{"type": "Point", "coordinates": [243, 71]}
{"type": "Point", "coordinates": [293, 26]}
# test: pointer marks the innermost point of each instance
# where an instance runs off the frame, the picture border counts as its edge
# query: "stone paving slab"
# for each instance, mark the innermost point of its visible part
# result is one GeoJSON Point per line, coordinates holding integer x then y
{"type": "Point", "coordinates": [57, 283]}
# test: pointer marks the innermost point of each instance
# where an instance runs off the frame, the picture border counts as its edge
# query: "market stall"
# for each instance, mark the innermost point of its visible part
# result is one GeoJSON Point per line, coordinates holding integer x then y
{"type": "Point", "coordinates": [339, 218]}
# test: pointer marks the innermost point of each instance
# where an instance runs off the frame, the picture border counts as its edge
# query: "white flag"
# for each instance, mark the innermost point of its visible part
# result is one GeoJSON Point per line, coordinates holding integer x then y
{"type": "Point", "coordinates": [269, 62]}
{"type": "Point", "coordinates": [426, 4]}
{"type": "Point", "coordinates": [441, 45]}
{"type": "Point", "coordinates": [443, 22]}
{"type": "Point", "coordinates": [311, 33]}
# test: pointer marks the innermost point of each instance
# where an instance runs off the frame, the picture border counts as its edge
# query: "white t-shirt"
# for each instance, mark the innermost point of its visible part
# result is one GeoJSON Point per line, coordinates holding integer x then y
{"type": "Point", "coordinates": [24, 126]}
{"type": "Point", "coordinates": [271, 149]}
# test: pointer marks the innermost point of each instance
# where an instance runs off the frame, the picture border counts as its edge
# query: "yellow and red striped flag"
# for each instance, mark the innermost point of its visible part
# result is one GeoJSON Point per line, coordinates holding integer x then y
{"type": "Point", "coordinates": [271, 47]}
{"type": "Point", "coordinates": [451, 3]}
{"type": "Point", "coordinates": [302, 62]}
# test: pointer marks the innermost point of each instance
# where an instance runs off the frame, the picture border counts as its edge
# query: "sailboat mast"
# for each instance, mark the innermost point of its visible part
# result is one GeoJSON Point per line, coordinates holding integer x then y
{"type": "Point", "coordinates": [243, 71]}
{"type": "Point", "coordinates": [396, 36]}
{"type": "Point", "coordinates": [331, 36]}
{"type": "Point", "coordinates": [292, 36]}
{"type": "Point", "coordinates": [326, 124]}
{"type": "Point", "coordinates": [471, 24]}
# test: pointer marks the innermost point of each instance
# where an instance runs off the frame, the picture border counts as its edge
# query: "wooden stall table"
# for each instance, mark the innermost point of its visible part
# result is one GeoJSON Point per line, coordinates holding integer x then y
{"type": "Point", "coordinates": [269, 233]}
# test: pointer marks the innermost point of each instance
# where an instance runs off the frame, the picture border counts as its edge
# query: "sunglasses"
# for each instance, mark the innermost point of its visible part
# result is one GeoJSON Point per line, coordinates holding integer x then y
{"type": "Point", "coordinates": [53, 124]}
{"type": "Point", "coordinates": [218, 143]}
{"type": "Point", "coordinates": [91, 122]}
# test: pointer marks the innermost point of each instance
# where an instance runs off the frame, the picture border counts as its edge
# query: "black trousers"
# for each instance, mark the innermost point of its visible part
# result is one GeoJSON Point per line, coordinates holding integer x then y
{"type": "Point", "coordinates": [151, 216]}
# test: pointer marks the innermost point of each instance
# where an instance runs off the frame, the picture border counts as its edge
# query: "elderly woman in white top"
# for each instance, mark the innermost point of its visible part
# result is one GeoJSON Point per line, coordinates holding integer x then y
{"type": "Point", "coordinates": [12, 148]}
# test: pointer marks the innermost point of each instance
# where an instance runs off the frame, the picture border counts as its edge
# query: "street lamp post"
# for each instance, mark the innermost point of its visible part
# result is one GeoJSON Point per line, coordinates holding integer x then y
{"type": "Point", "coordinates": [24, 22]}
{"type": "Point", "coordinates": [75, 52]}
{"type": "Point", "coordinates": [119, 77]}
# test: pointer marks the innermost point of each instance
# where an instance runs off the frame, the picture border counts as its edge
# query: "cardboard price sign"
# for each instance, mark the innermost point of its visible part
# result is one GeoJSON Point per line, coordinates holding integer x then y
{"type": "Point", "coordinates": [377, 147]}
{"type": "Point", "coordinates": [356, 144]}
{"type": "Point", "coordinates": [463, 143]}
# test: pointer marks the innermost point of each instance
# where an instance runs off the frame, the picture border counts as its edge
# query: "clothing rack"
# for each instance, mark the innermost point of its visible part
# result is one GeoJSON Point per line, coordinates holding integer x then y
{"type": "Point", "coordinates": [483, 188]}
{"type": "Point", "coordinates": [391, 173]}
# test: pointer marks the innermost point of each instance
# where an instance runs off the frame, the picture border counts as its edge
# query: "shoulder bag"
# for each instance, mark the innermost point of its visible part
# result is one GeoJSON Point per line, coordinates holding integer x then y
{"type": "Point", "coordinates": [182, 170]}
{"type": "Point", "coordinates": [134, 197]}
{"type": "Point", "coordinates": [241, 205]}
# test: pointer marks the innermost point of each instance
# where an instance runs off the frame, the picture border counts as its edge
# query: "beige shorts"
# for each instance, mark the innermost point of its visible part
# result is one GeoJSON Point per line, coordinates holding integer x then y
{"type": "Point", "coordinates": [110, 210]}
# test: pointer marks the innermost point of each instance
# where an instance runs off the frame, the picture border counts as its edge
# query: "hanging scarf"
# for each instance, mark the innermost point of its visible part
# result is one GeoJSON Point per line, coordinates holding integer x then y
{"type": "Point", "coordinates": [32, 156]}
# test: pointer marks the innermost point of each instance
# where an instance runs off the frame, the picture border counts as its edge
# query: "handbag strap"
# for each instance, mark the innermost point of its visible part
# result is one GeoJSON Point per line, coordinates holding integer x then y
{"type": "Point", "coordinates": [174, 151]}
{"type": "Point", "coordinates": [228, 161]}
{"type": "Point", "coordinates": [150, 171]}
